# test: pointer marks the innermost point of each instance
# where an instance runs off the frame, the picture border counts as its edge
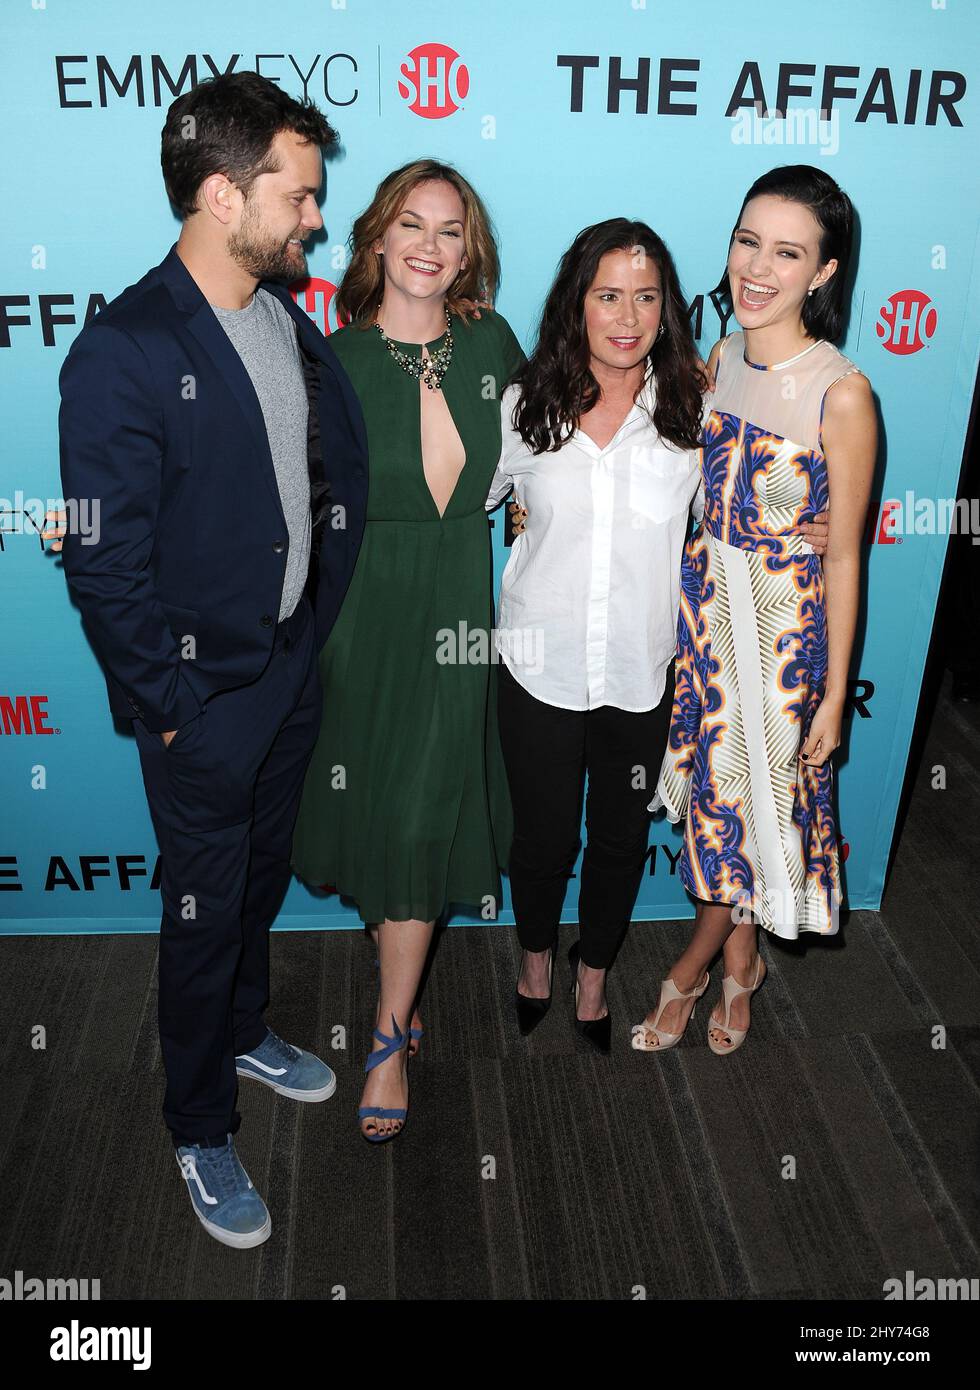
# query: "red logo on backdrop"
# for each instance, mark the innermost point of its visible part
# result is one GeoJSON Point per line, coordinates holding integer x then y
{"type": "Point", "coordinates": [315, 298]}
{"type": "Point", "coordinates": [434, 80]}
{"type": "Point", "coordinates": [907, 322]}
{"type": "Point", "coordinates": [843, 848]}
{"type": "Point", "coordinates": [24, 714]}
{"type": "Point", "coordinates": [881, 524]}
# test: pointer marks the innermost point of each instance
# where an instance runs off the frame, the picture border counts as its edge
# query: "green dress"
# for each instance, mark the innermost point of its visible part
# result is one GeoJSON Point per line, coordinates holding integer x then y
{"type": "Point", "coordinates": [405, 807]}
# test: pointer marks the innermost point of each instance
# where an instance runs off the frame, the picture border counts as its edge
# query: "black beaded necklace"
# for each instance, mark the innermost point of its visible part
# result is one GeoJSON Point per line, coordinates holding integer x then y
{"type": "Point", "coordinates": [431, 370]}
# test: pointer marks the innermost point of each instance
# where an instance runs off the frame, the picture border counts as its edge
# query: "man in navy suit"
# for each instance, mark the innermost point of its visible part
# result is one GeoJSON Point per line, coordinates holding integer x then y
{"type": "Point", "coordinates": [226, 450]}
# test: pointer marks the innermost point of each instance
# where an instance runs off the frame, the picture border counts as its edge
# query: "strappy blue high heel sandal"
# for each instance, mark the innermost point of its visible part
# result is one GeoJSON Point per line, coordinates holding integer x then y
{"type": "Point", "coordinates": [413, 1033]}
{"type": "Point", "coordinates": [380, 1112]}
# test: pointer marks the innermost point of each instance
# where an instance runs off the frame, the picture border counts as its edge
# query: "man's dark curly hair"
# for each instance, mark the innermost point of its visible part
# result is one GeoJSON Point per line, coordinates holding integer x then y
{"type": "Point", "coordinates": [226, 125]}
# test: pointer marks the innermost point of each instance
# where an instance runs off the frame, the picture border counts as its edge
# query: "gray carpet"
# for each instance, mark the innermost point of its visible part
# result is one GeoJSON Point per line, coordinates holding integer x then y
{"type": "Point", "coordinates": [533, 1169]}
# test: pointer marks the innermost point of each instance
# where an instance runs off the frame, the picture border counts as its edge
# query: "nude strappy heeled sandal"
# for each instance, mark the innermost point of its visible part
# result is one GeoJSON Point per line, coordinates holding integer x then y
{"type": "Point", "coordinates": [668, 993]}
{"type": "Point", "coordinates": [730, 991]}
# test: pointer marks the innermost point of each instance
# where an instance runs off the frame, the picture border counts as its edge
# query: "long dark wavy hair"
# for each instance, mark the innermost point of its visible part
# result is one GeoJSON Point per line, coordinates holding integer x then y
{"type": "Point", "coordinates": [556, 383]}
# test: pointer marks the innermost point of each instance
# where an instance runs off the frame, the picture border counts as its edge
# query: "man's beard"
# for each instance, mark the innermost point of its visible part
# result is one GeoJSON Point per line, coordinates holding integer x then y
{"type": "Point", "coordinates": [262, 256]}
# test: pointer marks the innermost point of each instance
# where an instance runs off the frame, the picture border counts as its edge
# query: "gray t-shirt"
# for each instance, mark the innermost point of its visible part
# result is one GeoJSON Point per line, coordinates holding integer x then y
{"type": "Point", "coordinates": [264, 337]}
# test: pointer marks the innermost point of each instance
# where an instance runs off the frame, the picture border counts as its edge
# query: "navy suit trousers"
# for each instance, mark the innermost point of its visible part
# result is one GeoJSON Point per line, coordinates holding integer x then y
{"type": "Point", "coordinates": [224, 796]}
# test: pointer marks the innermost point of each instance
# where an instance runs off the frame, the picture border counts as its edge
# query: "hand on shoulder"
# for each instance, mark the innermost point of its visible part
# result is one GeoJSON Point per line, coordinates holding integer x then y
{"type": "Point", "coordinates": [711, 366]}
{"type": "Point", "coordinates": [709, 369]}
{"type": "Point", "coordinates": [472, 308]}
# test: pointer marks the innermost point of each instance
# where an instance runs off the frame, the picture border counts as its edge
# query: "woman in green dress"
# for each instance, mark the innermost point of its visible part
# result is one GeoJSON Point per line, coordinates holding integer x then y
{"type": "Point", "coordinates": [405, 807]}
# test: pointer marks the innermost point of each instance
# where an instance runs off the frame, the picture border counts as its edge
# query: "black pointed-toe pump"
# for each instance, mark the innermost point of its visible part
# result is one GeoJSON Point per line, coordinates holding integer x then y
{"type": "Point", "coordinates": [597, 1031]}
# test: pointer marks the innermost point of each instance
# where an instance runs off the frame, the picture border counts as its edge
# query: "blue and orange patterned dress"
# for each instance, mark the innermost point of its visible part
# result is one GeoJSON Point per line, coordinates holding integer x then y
{"type": "Point", "coordinates": [752, 652]}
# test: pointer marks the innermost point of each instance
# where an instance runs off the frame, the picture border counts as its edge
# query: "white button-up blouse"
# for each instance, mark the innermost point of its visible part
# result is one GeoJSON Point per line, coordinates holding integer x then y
{"type": "Point", "coordinates": [590, 595]}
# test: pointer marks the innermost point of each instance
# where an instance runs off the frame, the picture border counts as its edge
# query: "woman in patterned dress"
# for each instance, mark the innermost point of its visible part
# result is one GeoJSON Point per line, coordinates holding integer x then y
{"type": "Point", "coordinates": [765, 628]}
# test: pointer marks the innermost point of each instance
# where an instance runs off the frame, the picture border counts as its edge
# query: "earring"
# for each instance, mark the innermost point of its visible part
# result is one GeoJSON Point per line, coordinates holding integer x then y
{"type": "Point", "coordinates": [660, 331]}
{"type": "Point", "coordinates": [809, 292]}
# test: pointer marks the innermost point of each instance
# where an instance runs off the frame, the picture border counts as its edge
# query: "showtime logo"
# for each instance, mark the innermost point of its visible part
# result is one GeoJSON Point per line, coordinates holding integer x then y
{"type": "Point", "coordinates": [24, 714]}
{"type": "Point", "coordinates": [434, 81]}
{"type": "Point", "coordinates": [906, 322]}
{"type": "Point", "coordinates": [316, 299]}
{"type": "Point", "coordinates": [881, 525]}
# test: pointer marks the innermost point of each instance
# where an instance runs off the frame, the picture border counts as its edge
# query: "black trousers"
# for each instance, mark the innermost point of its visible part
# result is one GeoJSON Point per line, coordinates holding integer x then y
{"type": "Point", "coordinates": [547, 753]}
{"type": "Point", "coordinates": [224, 797]}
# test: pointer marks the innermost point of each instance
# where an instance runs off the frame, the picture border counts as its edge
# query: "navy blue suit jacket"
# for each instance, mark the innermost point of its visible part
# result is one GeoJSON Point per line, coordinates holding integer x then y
{"type": "Point", "coordinates": [161, 425]}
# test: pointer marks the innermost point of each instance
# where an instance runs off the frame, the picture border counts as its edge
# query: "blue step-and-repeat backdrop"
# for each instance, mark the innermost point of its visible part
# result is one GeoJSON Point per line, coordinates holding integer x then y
{"type": "Point", "coordinates": [561, 113]}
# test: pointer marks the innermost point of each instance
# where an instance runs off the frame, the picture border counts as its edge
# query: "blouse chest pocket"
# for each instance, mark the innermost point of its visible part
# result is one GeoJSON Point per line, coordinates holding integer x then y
{"type": "Point", "coordinates": [662, 481]}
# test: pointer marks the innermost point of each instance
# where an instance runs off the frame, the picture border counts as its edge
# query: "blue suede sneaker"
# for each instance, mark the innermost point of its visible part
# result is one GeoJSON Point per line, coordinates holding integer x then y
{"type": "Point", "coordinates": [293, 1073]}
{"type": "Point", "coordinates": [226, 1203]}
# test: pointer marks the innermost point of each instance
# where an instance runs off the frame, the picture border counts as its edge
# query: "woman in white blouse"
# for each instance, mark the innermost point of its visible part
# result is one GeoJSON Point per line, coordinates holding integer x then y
{"type": "Point", "coordinates": [600, 446]}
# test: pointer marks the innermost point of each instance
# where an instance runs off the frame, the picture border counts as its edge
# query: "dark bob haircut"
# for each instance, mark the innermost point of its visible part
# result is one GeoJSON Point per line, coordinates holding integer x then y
{"type": "Point", "coordinates": [557, 386]}
{"type": "Point", "coordinates": [824, 310]}
{"type": "Point", "coordinates": [226, 125]}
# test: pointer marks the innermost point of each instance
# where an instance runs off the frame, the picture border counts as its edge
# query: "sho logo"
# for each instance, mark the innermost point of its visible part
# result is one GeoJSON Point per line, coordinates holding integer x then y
{"type": "Point", "coordinates": [906, 322]}
{"type": "Point", "coordinates": [75, 1343]}
{"type": "Point", "coordinates": [434, 80]}
{"type": "Point", "coordinates": [316, 298]}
